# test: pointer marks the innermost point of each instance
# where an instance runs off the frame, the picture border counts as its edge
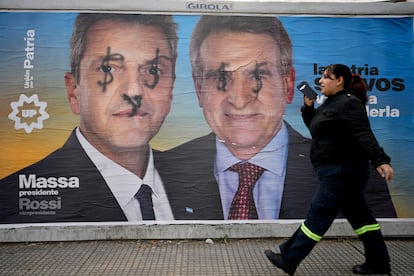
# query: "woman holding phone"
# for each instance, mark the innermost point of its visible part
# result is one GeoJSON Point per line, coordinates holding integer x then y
{"type": "Point", "coordinates": [343, 147]}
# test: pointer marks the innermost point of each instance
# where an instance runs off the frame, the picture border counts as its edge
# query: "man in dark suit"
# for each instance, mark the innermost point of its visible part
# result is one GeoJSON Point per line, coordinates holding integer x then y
{"type": "Point", "coordinates": [244, 77]}
{"type": "Point", "coordinates": [121, 82]}
{"type": "Point", "coordinates": [194, 193]}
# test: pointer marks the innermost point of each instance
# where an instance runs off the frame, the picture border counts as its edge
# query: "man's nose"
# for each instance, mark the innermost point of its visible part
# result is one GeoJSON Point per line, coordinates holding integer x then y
{"type": "Point", "coordinates": [133, 84]}
{"type": "Point", "coordinates": [239, 94]}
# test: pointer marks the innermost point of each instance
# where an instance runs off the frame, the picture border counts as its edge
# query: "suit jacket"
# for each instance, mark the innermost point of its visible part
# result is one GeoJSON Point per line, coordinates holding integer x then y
{"type": "Point", "coordinates": [194, 193]}
{"type": "Point", "coordinates": [89, 200]}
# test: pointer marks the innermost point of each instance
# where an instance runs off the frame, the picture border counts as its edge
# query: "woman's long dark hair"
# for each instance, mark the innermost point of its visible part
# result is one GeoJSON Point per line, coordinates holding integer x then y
{"type": "Point", "coordinates": [352, 82]}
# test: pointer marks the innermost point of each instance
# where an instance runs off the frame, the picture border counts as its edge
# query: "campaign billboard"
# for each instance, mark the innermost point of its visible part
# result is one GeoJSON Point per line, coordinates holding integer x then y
{"type": "Point", "coordinates": [91, 112]}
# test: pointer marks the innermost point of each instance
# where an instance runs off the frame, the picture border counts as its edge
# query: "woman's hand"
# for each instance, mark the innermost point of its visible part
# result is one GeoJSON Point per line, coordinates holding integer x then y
{"type": "Point", "coordinates": [386, 171]}
{"type": "Point", "coordinates": [307, 101]}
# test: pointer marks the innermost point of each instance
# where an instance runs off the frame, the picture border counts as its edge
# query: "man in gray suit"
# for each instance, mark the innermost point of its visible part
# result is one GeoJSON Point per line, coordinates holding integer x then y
{"type": "Point", "coordinates": [244, 77]}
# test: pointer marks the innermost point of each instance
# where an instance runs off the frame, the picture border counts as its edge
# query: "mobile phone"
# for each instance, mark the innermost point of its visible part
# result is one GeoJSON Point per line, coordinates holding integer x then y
{"type": "Point", "coordinates": [306, 90]}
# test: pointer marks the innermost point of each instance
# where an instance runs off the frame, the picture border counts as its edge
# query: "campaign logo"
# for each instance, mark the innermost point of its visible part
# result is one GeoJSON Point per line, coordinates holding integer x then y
{"type": "Point", "coordinates": [28, 113]}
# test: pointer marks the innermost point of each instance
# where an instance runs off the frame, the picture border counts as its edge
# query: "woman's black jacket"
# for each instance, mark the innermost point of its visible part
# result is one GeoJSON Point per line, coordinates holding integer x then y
{"type": "Point", "coordinates": [341, 132]}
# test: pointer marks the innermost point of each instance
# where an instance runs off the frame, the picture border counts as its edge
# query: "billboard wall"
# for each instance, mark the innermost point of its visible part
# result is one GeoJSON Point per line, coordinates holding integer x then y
{"type": "Point", "coordinates": [53, 171]}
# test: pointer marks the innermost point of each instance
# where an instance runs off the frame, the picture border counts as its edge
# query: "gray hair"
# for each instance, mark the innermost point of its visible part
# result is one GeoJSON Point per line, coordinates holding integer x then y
{"type": "Point", "coordinates": [256, 25]}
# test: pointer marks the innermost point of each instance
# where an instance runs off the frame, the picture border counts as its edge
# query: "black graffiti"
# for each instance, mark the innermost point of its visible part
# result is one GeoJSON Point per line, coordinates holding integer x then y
{"type": "Point", "coordinates": [154, 71]}
{"type": "Point", "coordinates": [135, 102]}
{"type": "Point", "coordinates": [222, 78]}
{"type": "Point", "coordinates": [106, 68]}
{"type": "Point", "coordinates": [257, 73]}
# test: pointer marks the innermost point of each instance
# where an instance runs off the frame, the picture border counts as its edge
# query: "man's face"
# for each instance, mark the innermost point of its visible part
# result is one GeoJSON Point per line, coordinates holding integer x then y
{"type": "Point", "coordinates": [125, 87]}
{"type": "Point", "coordinates": [242, 93]}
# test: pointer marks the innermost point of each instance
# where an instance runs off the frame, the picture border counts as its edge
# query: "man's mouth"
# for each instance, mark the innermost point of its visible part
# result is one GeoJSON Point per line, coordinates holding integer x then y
{"type": "Point", "coordinates": [130, 112]}
{"type": "Point", "coordinates": [240, 116]}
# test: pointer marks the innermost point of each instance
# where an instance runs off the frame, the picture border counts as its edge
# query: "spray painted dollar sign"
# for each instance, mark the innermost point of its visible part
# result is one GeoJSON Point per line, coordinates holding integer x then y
{"type": "Point", "coordinates": [106, 68]}
{"type": "Point", "coordinates": [258, 78]}
{"type": "Point", "coordinates": [154, 71]}
{"type": "Point", "coordinates": [222, 81]}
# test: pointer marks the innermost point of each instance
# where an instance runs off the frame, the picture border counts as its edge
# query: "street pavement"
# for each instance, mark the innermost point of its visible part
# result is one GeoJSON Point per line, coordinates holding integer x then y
{"type": "Point", "coordinates": [188, 257]}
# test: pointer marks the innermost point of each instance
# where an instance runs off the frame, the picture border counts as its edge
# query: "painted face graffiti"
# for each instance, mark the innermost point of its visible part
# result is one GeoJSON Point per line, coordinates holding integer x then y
{"type": "Point", "coordinates": [223, 77]}
{"type": "Point", "coordinates": [242, 92]}
{"type": "Point", "coordinates": [154, 71]}
{"type": "Point", "coordinates": [106, 68]}
{"type": "Point", "coordinates": [117, 106]}
{"type": "Point", "coordinates": [134, 101]}
{"type": "Point", "coordinates": [222, 80]}
{"type": "Point", "coordinates": [257, 74]}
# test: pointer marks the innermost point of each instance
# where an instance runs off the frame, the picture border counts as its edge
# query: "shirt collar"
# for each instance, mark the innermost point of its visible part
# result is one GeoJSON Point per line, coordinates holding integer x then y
{"type": "Point", "coordinates": [122, 182]}
{"type": "Point", "coordinates": [270, 157]}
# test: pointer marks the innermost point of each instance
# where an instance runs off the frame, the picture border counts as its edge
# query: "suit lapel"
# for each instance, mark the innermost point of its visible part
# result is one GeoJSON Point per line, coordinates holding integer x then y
{"type": "Point", "coordinates": [300, 181]}
{"type": "Point", "coordinates": [188, 176]}
{"type": "Point", "coordinates": [94, 200]}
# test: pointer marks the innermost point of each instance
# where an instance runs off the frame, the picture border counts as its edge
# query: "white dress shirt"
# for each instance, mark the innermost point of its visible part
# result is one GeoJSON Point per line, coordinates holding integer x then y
{"type": "Point", "coordinates": [124, 184]}
{"type": "Point", "coordinates": [268, 191]}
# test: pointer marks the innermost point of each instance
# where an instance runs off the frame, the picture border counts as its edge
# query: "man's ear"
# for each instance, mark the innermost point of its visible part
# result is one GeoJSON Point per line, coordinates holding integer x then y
{"type": "Point", "coordinates": [197, 86]}
{"type": "Point", "coordinates": [72, 93]}
{"type": "Point", "coordinates": [289, 80]}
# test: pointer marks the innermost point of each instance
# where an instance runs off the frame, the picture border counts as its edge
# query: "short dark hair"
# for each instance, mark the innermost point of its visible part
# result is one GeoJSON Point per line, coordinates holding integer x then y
{"type": "Point", "coordinates": [85, 20]}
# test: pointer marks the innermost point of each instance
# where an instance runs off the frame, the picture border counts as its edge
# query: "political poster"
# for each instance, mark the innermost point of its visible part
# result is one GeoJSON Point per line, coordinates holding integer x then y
{"type": "Point", "coordinates": [95, 106]}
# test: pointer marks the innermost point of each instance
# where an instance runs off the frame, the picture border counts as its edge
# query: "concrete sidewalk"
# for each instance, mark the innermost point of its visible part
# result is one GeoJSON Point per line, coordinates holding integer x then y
{"type": "Point", "coordinates": [188, 257]}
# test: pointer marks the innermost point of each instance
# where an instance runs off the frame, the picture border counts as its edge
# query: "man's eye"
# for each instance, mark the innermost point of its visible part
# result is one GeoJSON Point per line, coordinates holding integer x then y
{"type": "Point", "coordinates": [106, 68]}
{"type": "Point", "coordinates": [150, 70]}
{"type": "Point", "coordinates": [154, 71]}
{"type": "Point", "coordinates": [260, 74]}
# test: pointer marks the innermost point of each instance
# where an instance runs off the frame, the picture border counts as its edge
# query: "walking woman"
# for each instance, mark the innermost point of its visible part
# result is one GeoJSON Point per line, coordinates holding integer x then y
{"type": "Point", "coordinates": [343, 146]}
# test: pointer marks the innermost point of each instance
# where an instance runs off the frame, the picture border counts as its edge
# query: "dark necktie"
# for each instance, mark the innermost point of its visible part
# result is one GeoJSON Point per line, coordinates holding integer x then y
{"type": "Point", "coordinates": [144, 196]}
{"type": "Point", "coordinates": [242, 206]}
